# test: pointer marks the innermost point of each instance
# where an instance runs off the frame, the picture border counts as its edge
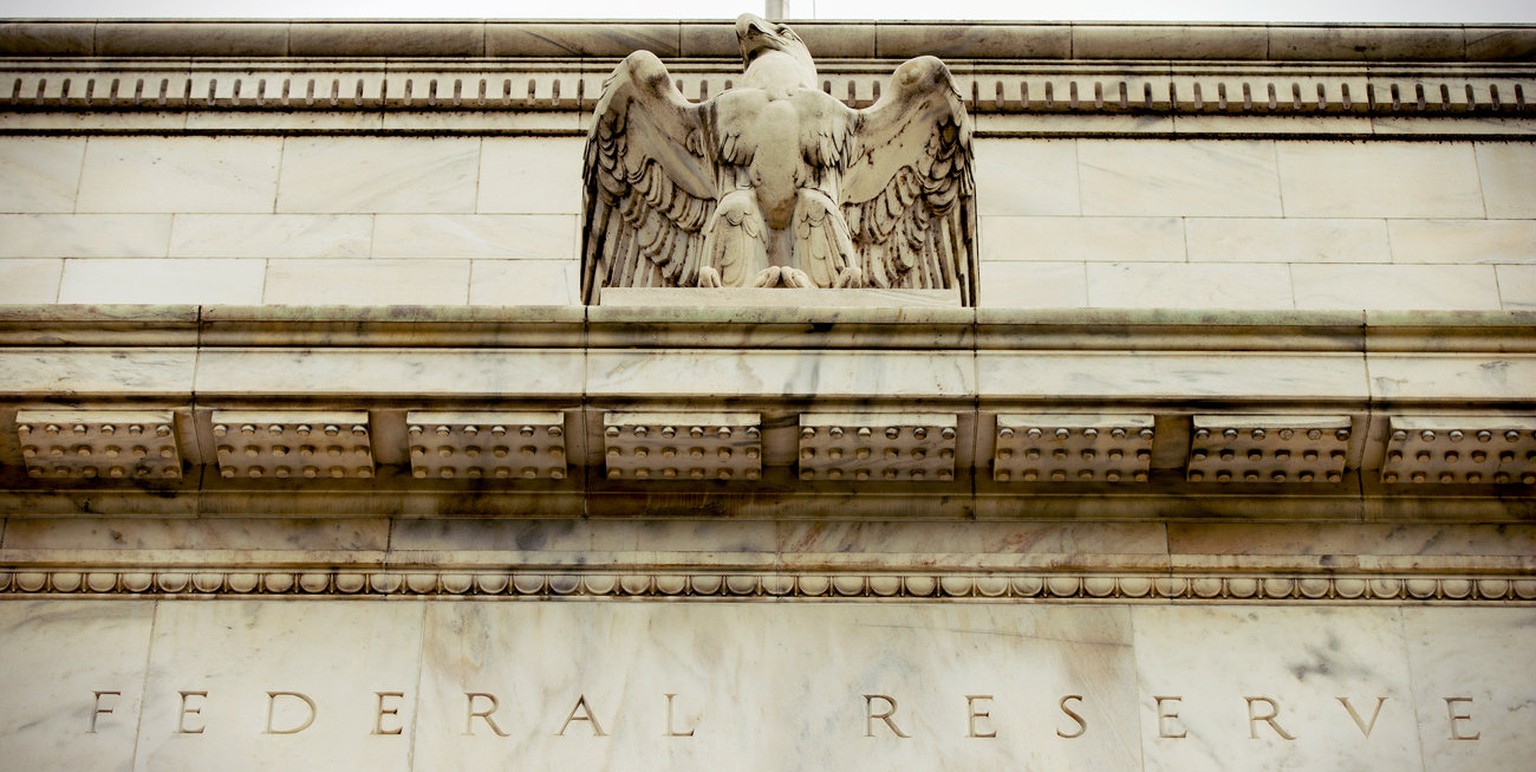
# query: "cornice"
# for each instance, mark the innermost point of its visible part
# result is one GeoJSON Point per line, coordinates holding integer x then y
{"type": "Point", "coordinates": [246, 581]}
{"type": "Point", "coordinates": [1402, 81]}
{"type": "Point", "coordinates": [116, 38]}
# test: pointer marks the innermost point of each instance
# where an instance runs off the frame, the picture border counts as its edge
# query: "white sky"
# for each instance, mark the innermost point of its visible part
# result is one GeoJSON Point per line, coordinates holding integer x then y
{"type": "Point", "coordinates": [1036, 10]}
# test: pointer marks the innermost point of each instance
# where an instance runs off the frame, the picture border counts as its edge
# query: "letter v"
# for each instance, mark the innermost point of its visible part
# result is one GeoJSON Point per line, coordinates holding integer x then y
{"type": "Point", "coordinates": [1365, 728]}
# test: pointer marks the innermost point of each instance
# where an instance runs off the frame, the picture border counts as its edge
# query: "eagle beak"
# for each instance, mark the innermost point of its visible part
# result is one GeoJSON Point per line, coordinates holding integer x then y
{"type": "Point", "coordinates": [755, 34]}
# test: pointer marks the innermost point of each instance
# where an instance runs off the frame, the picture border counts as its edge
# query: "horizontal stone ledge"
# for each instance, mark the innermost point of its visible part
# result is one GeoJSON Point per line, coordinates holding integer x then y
{"type": "Point", "coordinates": [246, 88]}
{"type": "Point", "coordinates": [981, 40]}
{"type": "Point", "coordinates": [677, 327]}
{"type": "Point", "coordinates": [257, 582]}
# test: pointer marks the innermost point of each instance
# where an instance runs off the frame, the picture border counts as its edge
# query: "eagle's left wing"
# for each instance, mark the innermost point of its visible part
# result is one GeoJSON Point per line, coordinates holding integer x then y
{"type": "Point", "coordinates": [907, 190]}
{"type": "Point", "coordinates": [650, 183]}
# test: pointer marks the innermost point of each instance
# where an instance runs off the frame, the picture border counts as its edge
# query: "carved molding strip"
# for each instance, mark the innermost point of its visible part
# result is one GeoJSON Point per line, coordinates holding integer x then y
{"type": "Point", "coordinates": [1125, 88]}
{"type": "Point", "coordinates": [248, 582]}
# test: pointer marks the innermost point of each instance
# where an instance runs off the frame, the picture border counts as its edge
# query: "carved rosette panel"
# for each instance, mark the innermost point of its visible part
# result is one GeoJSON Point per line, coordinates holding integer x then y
{"type": "Point", "coordinates": [1072, 448]}
{"type": "Point", "coordinates": [297, 443]}
{"type": "Point", "coordinates": [72, 444]}
{"type": "Point", "coordinates": [683, 446]}
{"type": "Point", "coordinates": [487, 445]}
{"type": "Point", "coordinates": [851, 446]}
{"type": "Point", "coordinates": [1461, 449]}
{"type": "Point", "coordinates": [1268, 449]}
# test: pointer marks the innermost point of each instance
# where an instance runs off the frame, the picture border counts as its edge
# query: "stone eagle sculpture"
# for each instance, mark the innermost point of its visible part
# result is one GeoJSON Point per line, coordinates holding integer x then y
{"type": "Point", "coordinates": [775, 183]}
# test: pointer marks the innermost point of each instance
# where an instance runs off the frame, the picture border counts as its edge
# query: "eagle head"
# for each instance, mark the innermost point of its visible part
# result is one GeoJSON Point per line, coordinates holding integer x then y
{"type": "Point", "coordinates": [759, 38]}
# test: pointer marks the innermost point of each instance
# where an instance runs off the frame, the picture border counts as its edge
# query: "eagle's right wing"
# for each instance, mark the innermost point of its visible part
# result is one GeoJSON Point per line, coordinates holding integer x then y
{"type": "Point", "coordinates": [649, 183]}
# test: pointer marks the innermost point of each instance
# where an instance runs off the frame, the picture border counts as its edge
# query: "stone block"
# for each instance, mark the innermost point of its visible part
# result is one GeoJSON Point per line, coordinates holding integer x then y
{"type": "Point", "coordinates": [1183, 285]}
{"type": "Point", "coordinates": [1517, 287]}
{"type": "Point", "coordinates": [505, 236]}
{"type": "Point", "coordinates": [1463, 241]}
{"type": "Point", "coordinates": [41, 174]}
{"type": "Point", "coordinates": [174, 280]}
{"type": "Point", "coordinates": [525, 283]}
{"type": "Point", "coordinates": [416, 374]}
{"type": "Point", "coordinates": [1026, 177]}
{"type": "Point", "coordinates": [1460, 377]}
{"type": "Point", "coordinates": [1506, 170]}
{"type": "Point", "coordinates": [359, 535]}
{"type": "Point", "coordinates": [876, 446]}
{"type": "Point", "coordinates": [271, 235]}
{"type": "Point", "coordinates": [1195, 178]}
{"type": "Point", "coordinates": [1082, 239]}
{"type": "Point", "coordinates": [692, 375]}
{"type": "Point", "coordinates": [367, 282]}
{"type": "Point", "coordinates": [146, 373]}
{"type": "Point", "coordinates": [30, 281]}
{"type": "Point", "coordinates": [1166, 375]}
{"type": "Point", "coordinates": [1158, 41]}
{"type": "Point", "coordinates": [198, 38]}
{"type": "Point", "coordinates": [1012, 284]}
{"type": "Point", "coordinates": [179, 174]}
{"type": "Point", "coordinates": [1268, 448]}
{"type": "Point", "coordinates": [81, 666]}
{"type": "Point", "coordinates": [614, 39]}
{"type": "Point", "coordinates": [682, 446]}
{"type": "Point", "coordinates": [253, 681]}
{"type": "Point", "coordinates": [1468, 722]}
{"type": "Point", "coordinates": [1398, 287]}
{"type": "Point", "coordinates": [1379, 179]}
{"type": "Point", "coordinates": [452, 39]}
{"type": "Point", "coordinates": [1285, 708]}
{"type": "Point", "coordinates": [1461, 449]}
{"type": "Point", "coordinates": [1072, 448]}
{"type": "Point", "coordinates": [487, 445]}
{"type": "Point", "coordinates": [118, 444]}
{"type": "Point", "coordinates": [975, 41]}
{"type": "Point", "coordinates": [84, 235]}
{"type": "Point", "coordinates": [378, 174]}
{"type": "Point", "coordinates": [293, 443]}
{"type": "Point", "coordinates": [531, 175]}
{"type": "Point", "coordinates": [1274, 240]}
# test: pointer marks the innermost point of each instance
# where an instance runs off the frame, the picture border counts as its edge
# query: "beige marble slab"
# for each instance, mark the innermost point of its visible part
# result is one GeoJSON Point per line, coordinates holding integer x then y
{"type": "Point", "coordinates": [145, 372]}
{"type": "Point", "coordinates": [1172, 178]}
{"type": "Point", "coordinates": [1274, 240]}
{"type": "Point", "coordinates": [235, 372]}
{"type": "Point", "coordinates": [778, 373]}
{"type": "Point", "coordinates": [1464, 241]}
{"type": "Point", "coordinates": [530, 175]}
{"type": "Point", "coordinates": [1517, 287]}
{"type": "Point", "coordinates": [1189, 285]}
{"type": "Point", "coordinates": [1088, 375]}
{"type": "Point", "coordinates": [1462, 377]}
{"type": "Point", "coordinates": [179, 174]}
{"type": "Point", "coordinates": [367, 282]}
{"type": "Point", "coordinates": [1475, 663]}
{"type": "Point", "coordinates": [84, 235]}
{"type": "Point", "coordinates": [1013, 284]}
{"type": "Point", "coordinates": [1216, 668]}
{"type": "Point", "coordinates": [1088, 239]}
{"type": "Point", "coordinates": [378, 174]}
{"type": "Point", "coordinates": [525, 283]}
{"type": "Point", "coordinates": [42, 174]}
{"type": "Point", "coordinates": [1026, 177]}
{"type": "Point", "coordinates": [1379, 179]}
{"type": "Point", "coordinates": [58, 657]}
{"type": "Point", "coordinates": [795, 696]}
{"type": "Point", "coordinates": [1398, 287]}
{"type": "Point", "coordinates": [233, 656]}
{"type": "Point", "coordinates": [547, 237]}
{"type": "Point", "coordinates": [162, 280]}
{"type": "Point", "coordinates": [30, 281]}
{"type": "Point", "coordinates": [271, 235]}
{"type": "Point", "coordinates": [147, 533]}
{"type": "Point", "coordinates": [1506, 171]}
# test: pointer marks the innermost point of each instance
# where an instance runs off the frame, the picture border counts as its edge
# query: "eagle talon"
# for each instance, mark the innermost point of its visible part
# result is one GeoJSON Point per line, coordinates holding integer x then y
{"type": "Point", "coordinates": [794, 277]}
{"type": "Point", "coordinates": [768, 277]}
{"type": "Point", "coordinates": [709, 277]}
{"type": "Point", "coordinates": [850, 277]}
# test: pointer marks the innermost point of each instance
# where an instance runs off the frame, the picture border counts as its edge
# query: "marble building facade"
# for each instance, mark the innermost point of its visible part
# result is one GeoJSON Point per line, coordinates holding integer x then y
{"type": "Point", "coordinates": [310, 453]}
